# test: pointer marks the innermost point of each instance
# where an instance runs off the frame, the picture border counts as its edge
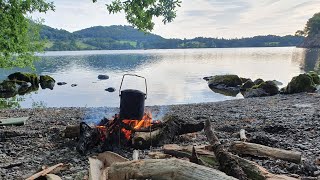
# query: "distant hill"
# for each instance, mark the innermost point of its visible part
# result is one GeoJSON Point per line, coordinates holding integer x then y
{"type": "Point", "coordinates": [126, 37]}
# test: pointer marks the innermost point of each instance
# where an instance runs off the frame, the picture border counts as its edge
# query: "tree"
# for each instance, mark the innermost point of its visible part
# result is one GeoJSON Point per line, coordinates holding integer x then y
{"type": "Point", "coordinates": [312, 27]}
{"type": "Point", "coordinates": [19, 36]}
{"type": "Point", "coordinates": [140, 13]}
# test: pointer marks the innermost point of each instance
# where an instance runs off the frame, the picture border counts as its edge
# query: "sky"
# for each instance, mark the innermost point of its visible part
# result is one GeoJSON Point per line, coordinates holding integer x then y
{"type": "Point", "coordinates": [196, 18]}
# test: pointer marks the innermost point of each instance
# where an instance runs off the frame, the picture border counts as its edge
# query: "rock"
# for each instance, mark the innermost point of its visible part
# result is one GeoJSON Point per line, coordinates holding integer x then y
{"type": "Point", "coordinates": [278, 83]}
{"type": "Point", "coordinates": [47, 82]}
{"type": "Point", "coordinates": [207, 78]}
{"type": "Point", "coordinates": [255, 93]}
{"type": "Point", "coordinates": [245, 79]}
{"type": "Point", "coordinates": [8, 86]}
{"type": "Point", "coordinates": [247, 85]}
{"type": "Point", "coordinates": [258, 81]}
{"type": "Point", "coordinates": [318, 161]}
{"type": "Point", "coordinates": [227, 91]}
{"type": "Point", "coordinates": [227, 80]}
{"type": "Point", "coordinates": [103, 77]}
{"type": "Point", "coordinates": [269, 87]}
{"type": "Point", "coordinates": [27, 77]}
{"type": "Point", "coordinates": [314, 76]}
{"type": "Point", "coordinates": [110, 89]}
{"type": "Point", "coordinates": [61, 83]}
{"type": "Point", "coordinates": [298, 84]}
{"type": "Point", "coordinates": [74, 85]}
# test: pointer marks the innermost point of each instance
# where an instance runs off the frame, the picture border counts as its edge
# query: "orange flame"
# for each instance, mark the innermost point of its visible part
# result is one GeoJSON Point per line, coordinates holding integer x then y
{"type": "Point", "coordinates": [145, 122]}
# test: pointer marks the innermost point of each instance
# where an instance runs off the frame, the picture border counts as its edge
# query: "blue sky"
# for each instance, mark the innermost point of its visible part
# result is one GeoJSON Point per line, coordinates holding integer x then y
{"type": "Point", "coordinates": [207, 18]}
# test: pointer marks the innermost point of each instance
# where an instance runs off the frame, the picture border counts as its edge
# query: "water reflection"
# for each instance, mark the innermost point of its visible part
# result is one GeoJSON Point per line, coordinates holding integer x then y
{"type": "Point", "coordinates": [311, 59]}
{"type": "Point", "coordinates": [174, 76]}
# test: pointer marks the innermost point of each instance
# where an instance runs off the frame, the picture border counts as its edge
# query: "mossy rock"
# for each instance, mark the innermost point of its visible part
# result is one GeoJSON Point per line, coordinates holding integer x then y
{"type": "Point", "coordinates": [301, 83]}
{"type": "Point", "coordinates": [245, 79]}
{"type": "Point", "coordinates": [47, 82]}
{"type": "Point", "coordinates": [233, 92]}
{"type": "Point", "coordinates": [258, 81]}
{"type": "Point", "coordinates": [27, 77]}
{"type": "Point", "coordinates": [258, 92]}
{"type": "Point", "coordinates": [8, 89]}
{"type": "Point", "coordinates": [8, 86]}
{"type": "Point", "coordinates": [23, 90]}
{"type": "Point", "coordinates": [227, 80]}
{"type": "Point", "coordinates": [315, 77]}
{"type": "Point", "coordinates": [247, 85]}
{"type": "Point", "coordinates": [269, 87]}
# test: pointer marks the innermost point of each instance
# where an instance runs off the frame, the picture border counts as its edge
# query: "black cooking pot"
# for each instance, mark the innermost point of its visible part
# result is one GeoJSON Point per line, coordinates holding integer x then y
{"type": "Point", "coordinates": [132, 101]}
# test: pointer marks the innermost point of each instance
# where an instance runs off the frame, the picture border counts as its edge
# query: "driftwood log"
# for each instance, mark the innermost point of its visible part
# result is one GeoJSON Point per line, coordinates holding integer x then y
{"type": "Point", "coordinates": [72, 131]}
{"type": "Point", "coordinates": [204, 157]}
{"type": "Point", "coordinates": [166, 169]}
{"type": "Point", "coordinates": [228, 163]}
{"type": "Point", "coordinates": [251, 169]}
{"type": "Point", "coordinates": [265, 151]}
{"type": "Point", "coordinates": [111, 166]}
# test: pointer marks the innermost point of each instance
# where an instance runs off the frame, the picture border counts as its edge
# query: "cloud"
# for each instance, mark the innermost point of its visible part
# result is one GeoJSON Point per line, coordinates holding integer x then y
{"type": "Point", "coordinates": [207, 18]}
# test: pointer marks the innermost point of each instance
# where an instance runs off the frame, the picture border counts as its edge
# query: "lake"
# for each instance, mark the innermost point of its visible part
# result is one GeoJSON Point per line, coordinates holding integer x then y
{"type": "Point", "coordinates": [174, 76]}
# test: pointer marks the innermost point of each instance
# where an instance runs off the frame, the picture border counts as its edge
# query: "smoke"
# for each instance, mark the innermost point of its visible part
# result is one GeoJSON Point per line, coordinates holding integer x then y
{"type": "Point", "coordinates": [95, 115]}
{"type": "Point", "coordinates": [160, 113]}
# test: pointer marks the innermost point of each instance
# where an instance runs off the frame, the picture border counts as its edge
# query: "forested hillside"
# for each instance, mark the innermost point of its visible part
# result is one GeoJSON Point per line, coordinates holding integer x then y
{"type": "Point", "coordinates": [126, 37]}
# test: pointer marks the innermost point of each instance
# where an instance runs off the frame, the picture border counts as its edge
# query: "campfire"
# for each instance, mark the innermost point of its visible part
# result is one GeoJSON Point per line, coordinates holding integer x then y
{"type": "Point", "coordinates": [120, 130]}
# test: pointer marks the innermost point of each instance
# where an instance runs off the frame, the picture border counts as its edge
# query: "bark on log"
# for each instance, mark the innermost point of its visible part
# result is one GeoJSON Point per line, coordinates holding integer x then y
{"type": "Point", "coordinates": [165, 169]}
{"type": "Point", "coordinates": [243, 136]}
{"type": "Point", "coordinates": [172, 127]}
{"type": "Point", "coordinates": [228, 163]}
{"type": "Point", "coordinates": [44, 172]}
{"type": "Point", "coordinates": [265, 151]}
{"type": "Point", "coordinates": [72, 131]}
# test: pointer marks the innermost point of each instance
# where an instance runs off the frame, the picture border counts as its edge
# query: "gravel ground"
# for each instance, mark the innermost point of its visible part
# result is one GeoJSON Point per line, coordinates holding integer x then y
{"type": "Point", "coordinates": [285, 121]}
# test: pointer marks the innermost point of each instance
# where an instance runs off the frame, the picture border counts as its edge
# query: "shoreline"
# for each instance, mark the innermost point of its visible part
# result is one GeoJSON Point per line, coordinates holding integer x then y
{"type": "Point", "coordinates": [267, 120]}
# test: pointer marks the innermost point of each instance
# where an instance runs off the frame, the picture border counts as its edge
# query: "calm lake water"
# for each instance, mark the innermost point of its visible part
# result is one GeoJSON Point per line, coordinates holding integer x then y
{"type": "Point", "coordinates": [174, 76]}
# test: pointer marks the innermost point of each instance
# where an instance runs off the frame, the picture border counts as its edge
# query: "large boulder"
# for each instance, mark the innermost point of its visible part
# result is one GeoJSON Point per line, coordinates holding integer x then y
{"type": "Point", "coordinates": [259, 92]}
{"type": "Point", "coordinates": [301, 83]}
{"type": "Point", "coordinates": [247, 85]}
{"type": "Point", "coordinates": [227, 80]}
{"type": "Point", "coordinates": [227, 91]}
{"type": "Point", "coordinates": [8, 89]}
{"type": "Point", "coordinates": [47, 82]}
{"type": "Point", "coordinates": [315, 77]}
{"type": "Point", "coordinates": [258, 81]}
{"type": "Point", "coordinates": [27, 77]}
{"type": "Point", "coordinates": [269, 87]}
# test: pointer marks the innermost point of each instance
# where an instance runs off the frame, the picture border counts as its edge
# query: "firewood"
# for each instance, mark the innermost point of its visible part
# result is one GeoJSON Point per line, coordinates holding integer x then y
{"type": "Point", "coordinates": [205, 157]}
{"type": "Point", "coordinates": [72, 131]}
{"type": "Point", "coordinates": [44, 172]}
{"type": "Point", "coordinates": [158, 155]}
{"type": "Point", "coordinates": [108, 157]}
{"type": "Point", "coordinates": [52, 177]}
{"type": "Point", "coordinates": [243, 136]}
{"type": "Point", "coordinates": [251, 169]}
{"type": "Point", "coordinates": [228, 163]}
{"type": "Point", "coordinates": [265, 151]}
{"type": "Point", "coordinates": [96, 168]}
{"type": "Point", "coordinates": [163, 169]}
{"type": "Point", "coordinates": [172, 127]}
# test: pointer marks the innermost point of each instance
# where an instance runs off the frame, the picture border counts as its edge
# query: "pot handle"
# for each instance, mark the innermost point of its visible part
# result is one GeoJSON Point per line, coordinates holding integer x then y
{"type": "Point", "coordinates": [145, 81]}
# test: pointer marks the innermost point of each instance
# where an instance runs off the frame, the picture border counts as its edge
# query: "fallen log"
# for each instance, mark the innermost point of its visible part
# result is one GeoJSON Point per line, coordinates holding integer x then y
{"type": "Point", "coordinates": [72, 131]}
{"type": "Point", "coordinates": [163, 169]}
{"type": "Point", "coordinates": [172, 127]}
{"type": "Point", "coordinates": [44, 172]}
{"type": "Point", "coordinates": [251, 169]}
{"type": "Point", "coordinates": [206, 157]}
{"type": "Point", "coordinates": [265, 151]}
{"type": "Point", "coordinates": [228, 163]}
